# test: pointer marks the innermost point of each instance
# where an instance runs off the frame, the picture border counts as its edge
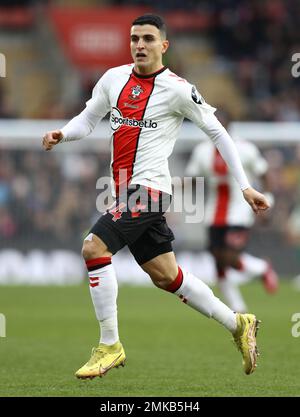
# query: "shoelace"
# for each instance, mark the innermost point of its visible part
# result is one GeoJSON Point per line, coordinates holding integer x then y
{"type": "Point", "coordinates": [96, 354]}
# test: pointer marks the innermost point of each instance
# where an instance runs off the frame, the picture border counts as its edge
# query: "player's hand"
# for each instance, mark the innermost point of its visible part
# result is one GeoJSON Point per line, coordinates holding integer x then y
{"type": "Point", "coordinates": [256, 200]}
{"type": "Point", "coordinates": [51, 139]}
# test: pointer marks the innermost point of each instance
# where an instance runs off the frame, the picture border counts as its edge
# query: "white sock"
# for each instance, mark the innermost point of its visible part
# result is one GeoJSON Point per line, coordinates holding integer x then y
{"type": "Point", "coordinates": [199, 296]}
{"type": "Point", "coordinates": [104, 292]}
{"type": "Point", "coordinates": [109, 330]}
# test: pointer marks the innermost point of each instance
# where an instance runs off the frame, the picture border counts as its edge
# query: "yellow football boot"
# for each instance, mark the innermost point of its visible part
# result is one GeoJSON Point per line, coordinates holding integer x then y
{"type": "Point", "coordinates": [245, 340]}
{"type": "Point", "coordinates": [103, 358]}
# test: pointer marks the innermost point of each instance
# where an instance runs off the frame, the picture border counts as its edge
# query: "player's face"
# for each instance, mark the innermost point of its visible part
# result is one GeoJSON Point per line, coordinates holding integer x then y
{"type": "Point", "coordinates": [147, 48]}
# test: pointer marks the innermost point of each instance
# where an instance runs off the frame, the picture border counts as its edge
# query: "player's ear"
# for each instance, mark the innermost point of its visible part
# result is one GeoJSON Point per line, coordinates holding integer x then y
{"type": "Point", "coordinates": [165, 46]}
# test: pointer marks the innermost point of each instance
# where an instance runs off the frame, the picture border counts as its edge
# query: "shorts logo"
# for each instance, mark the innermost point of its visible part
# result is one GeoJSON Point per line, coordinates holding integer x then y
{"type": "Point", "coordinates": [117, 120]}
{"type": "Point", "coordinates": [135, 92]}
{"type": "Point", "coordinates": [137, 209]}
{"type": "Point", "coordinates": [116, 211]}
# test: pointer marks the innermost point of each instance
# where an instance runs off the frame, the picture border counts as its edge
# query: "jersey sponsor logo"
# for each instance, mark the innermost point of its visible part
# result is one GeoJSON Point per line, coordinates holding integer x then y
{"type": "Point", "coordinates": [117, 120]}
{"type": "Point", "coordinates": [135, 92]}
{"type": "Point", "coordinates": [196, 96]}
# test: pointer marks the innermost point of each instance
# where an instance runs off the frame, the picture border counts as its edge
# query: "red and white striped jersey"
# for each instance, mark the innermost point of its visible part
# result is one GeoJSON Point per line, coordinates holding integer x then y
{"type": "Point", "coordinates": [225, 204]}
{"type": "Point", "coordinates": [146, 113]}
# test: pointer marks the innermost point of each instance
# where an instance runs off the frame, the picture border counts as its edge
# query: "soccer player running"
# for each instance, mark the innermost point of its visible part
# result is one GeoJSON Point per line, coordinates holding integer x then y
{"type": "Point", "coordinates": [148, 103]}
{"type": "Point", "coordinates": [229, 219]}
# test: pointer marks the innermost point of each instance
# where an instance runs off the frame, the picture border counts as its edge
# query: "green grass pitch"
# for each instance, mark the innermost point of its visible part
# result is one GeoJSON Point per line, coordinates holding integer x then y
{"type": "Point", "coordinates": [171, 349]}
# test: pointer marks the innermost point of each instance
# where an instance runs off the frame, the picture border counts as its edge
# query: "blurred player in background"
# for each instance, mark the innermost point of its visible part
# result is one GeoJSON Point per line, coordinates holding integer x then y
{"type": "Point", "coordinates": [292, 233]}
{"type": "Point", "coordinates": [147, 105]}
{"type": "Point", "coordinates": [229, 220]}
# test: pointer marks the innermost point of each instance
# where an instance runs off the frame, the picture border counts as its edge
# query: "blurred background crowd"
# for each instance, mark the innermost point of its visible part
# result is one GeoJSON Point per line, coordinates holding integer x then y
{"type": "Point", "coordinates": [237, 52]}
{"type": "Point", "coordinates": [250, 42]}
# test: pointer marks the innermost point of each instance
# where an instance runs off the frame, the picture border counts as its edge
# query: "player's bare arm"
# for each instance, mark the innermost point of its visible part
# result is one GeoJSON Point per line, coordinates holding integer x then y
{"type": "Point", "coordinates": [51, 139]}
{"type": "Point", "coordinates": [256, 200]}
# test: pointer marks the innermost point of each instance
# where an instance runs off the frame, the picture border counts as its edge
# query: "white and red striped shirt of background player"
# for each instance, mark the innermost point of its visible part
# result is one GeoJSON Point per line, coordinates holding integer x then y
{"type": "Point", "coordinates": [146, 113]}
{"type": "Point", "coordinates": [225, 204]}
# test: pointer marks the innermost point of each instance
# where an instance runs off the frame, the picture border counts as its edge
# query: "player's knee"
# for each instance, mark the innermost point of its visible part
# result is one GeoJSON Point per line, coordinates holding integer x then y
{"type": "Point", "coordinates": [91, 250]}
{"type": "Point", "coordinates": [88, 250]}
{"type": "Point", "coordinates": [162, 280]}
{"type": "Point", "coordinates": [93, 247]}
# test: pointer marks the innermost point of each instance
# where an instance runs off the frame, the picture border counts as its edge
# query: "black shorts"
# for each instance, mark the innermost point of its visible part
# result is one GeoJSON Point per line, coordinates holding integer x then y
{"type": "Point", "coordinates": [231, 237]}
{"type": "Point", "coordinates": [136, 219]}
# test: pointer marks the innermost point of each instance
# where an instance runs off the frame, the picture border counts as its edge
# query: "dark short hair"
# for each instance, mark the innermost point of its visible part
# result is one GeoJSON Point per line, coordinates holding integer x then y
{"type": "Point", "coordinates": [152, 19]}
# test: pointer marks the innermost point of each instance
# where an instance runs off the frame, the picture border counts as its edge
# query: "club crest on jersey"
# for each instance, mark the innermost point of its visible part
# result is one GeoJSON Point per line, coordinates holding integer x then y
{"type": "Point", "coordinates": [196, 96]}
{"type": "Point", "coordinates": [135, 92]}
